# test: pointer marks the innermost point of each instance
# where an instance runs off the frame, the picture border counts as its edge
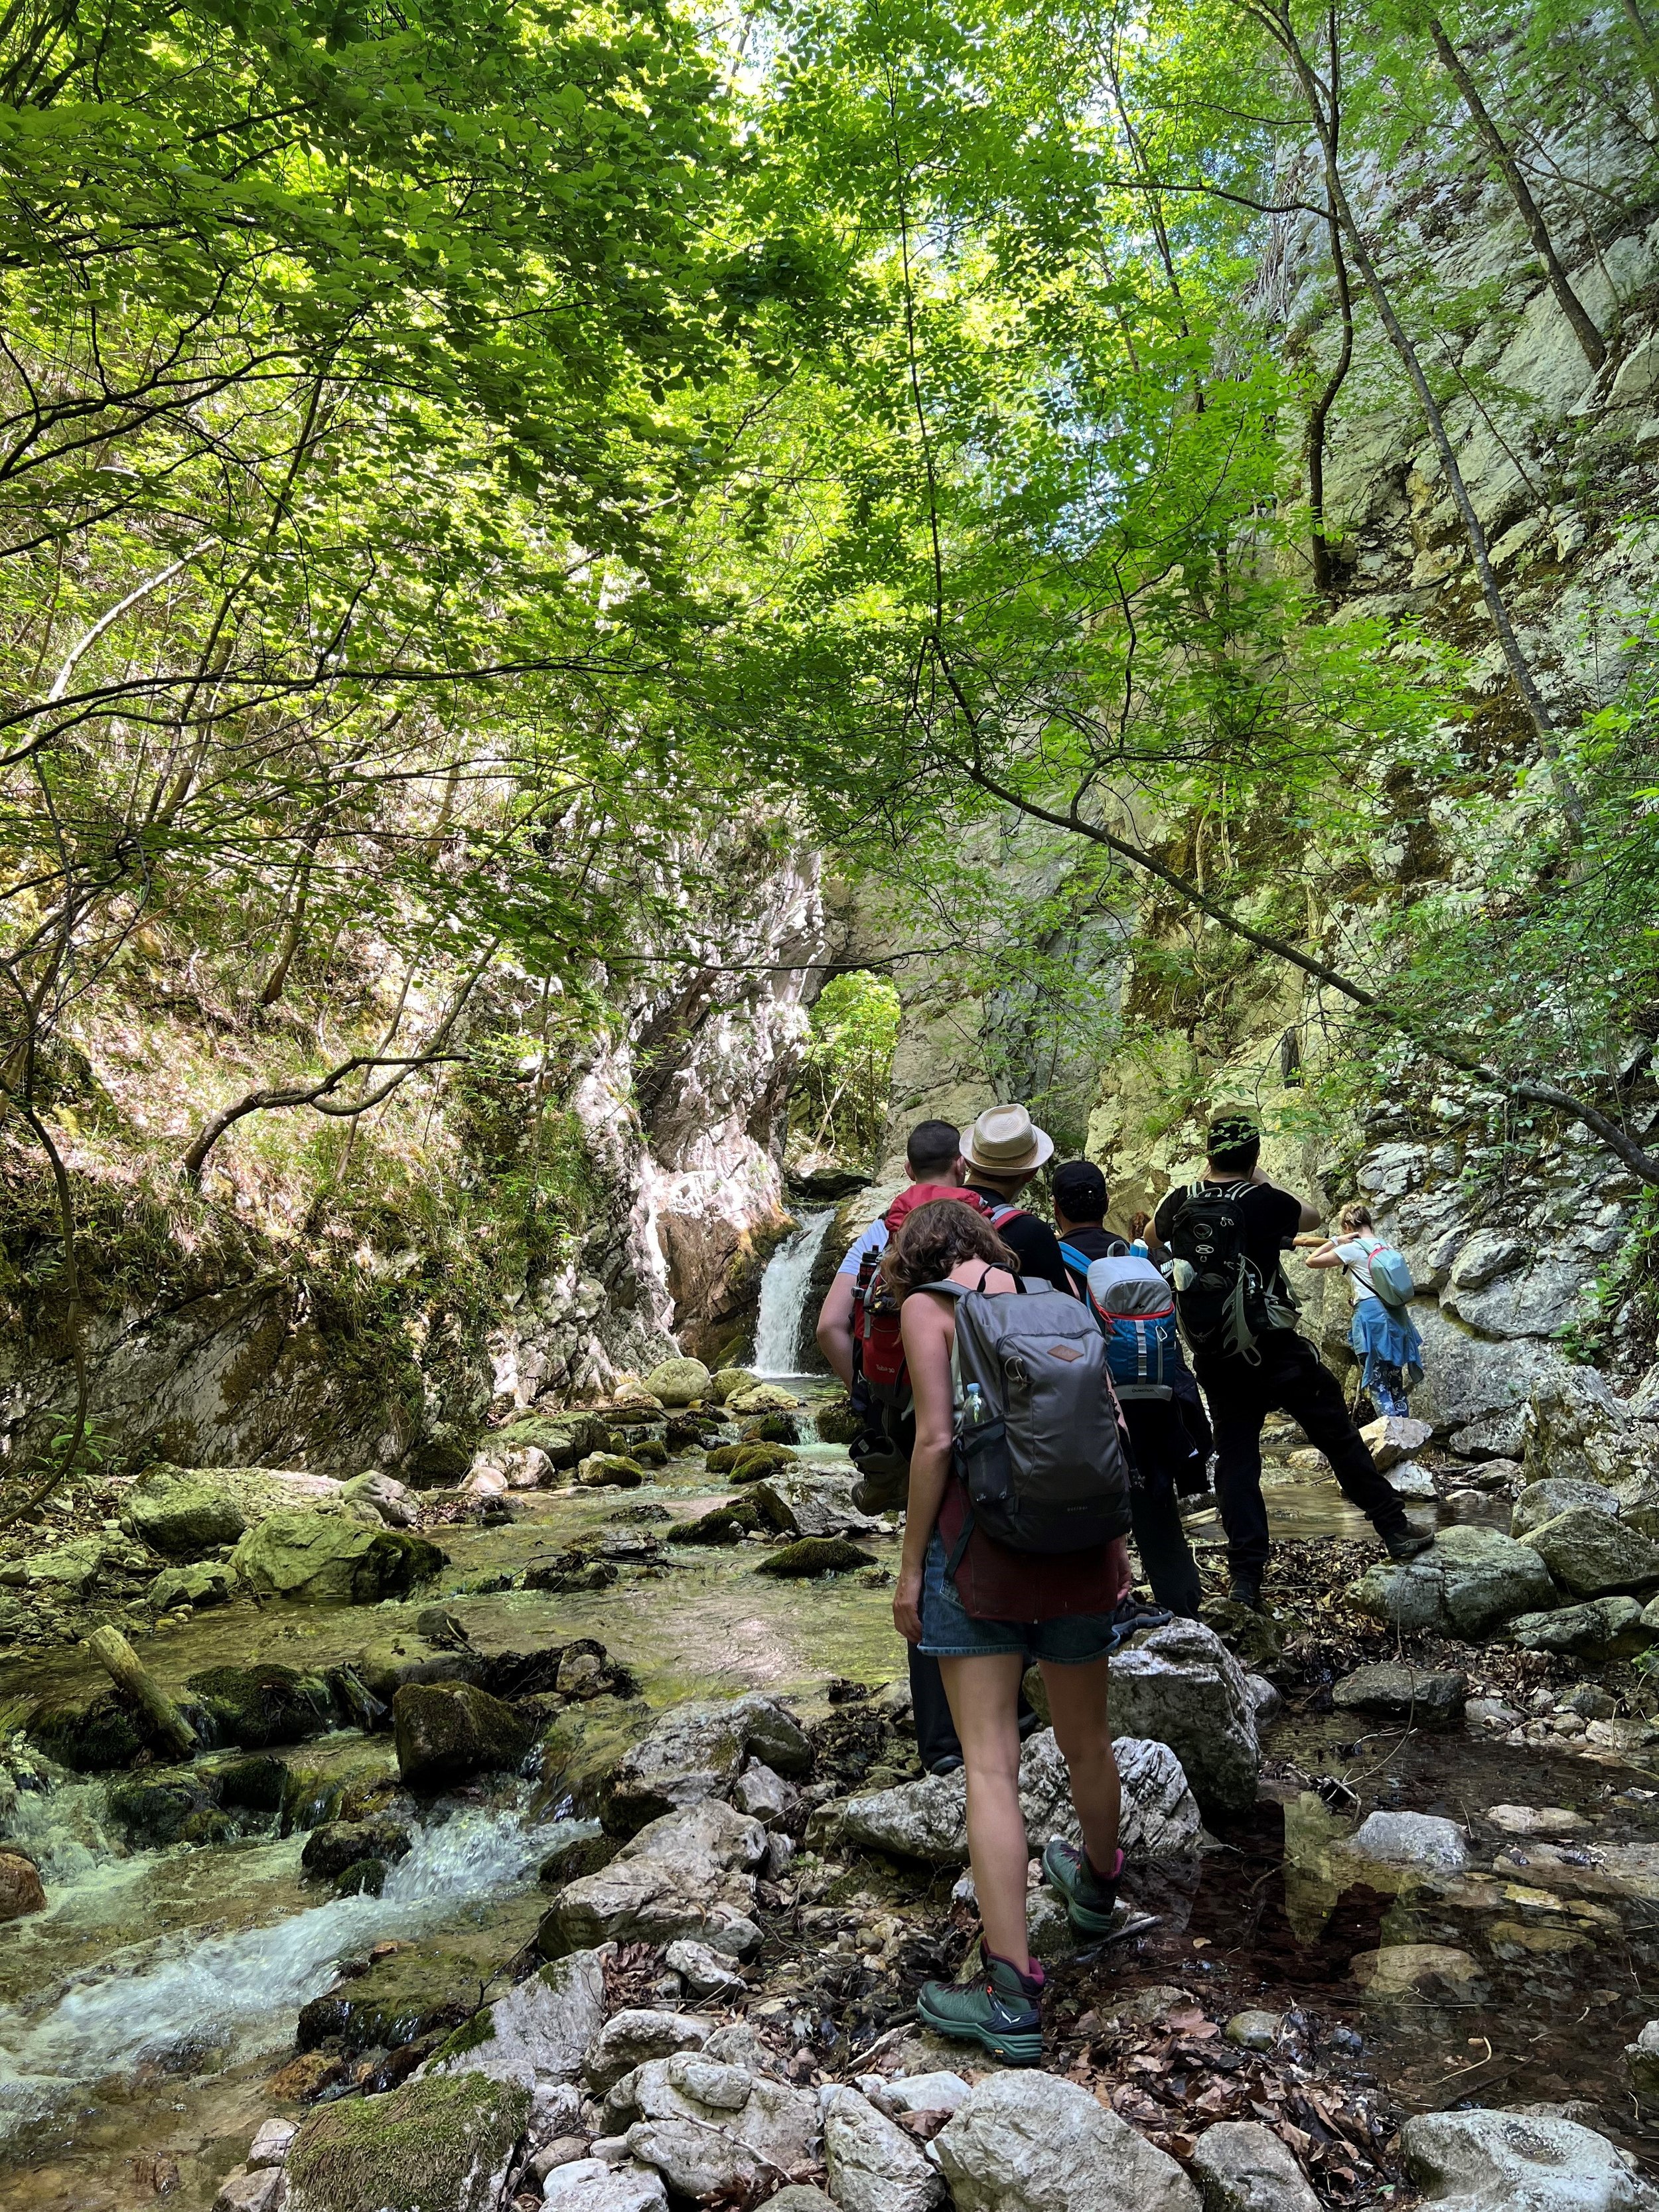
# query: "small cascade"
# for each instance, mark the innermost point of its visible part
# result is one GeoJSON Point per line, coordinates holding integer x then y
{"type": "Point", "coordinates": [783, 1291]}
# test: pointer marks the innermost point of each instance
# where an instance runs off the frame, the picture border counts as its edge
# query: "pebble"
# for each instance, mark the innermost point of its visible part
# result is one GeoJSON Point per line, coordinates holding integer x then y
{"type": "Point", "coordinates": [1254, 2030]}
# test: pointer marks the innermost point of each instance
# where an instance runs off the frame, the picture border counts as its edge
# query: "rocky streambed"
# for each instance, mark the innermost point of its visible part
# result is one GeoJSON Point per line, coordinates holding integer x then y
{"type": "Point", "coordinates": [589, 1863]}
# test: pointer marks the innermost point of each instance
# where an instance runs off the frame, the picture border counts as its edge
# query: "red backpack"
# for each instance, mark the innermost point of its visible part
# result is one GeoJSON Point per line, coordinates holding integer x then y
{"type": "Point", "coordinates": [878, 1348]}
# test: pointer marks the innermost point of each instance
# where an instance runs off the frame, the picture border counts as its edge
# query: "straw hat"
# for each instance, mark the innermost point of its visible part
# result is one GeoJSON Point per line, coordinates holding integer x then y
{"type": "Point", "coordinates": [1004, 1141]}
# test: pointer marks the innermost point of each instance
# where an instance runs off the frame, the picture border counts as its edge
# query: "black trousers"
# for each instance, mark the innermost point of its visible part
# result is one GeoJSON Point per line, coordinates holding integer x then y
{"type": "Point", "coordinates": [1289, 1378]}
{"type": "Point", "coordinates": [1162, 1449]}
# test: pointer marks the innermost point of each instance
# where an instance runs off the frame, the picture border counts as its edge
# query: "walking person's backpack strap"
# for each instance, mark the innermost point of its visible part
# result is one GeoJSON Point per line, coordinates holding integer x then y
{"type": "Point", "coordinates": [1221, 1299]}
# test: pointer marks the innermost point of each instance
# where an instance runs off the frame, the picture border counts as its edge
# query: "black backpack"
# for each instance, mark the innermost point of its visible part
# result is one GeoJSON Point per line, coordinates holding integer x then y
{"type": "Point", "coordinates": [1221, 1300]}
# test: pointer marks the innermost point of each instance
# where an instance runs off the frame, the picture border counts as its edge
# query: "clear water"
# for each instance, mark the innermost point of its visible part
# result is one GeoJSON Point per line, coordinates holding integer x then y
{"type": "Point", "coordinates": [784, 1288]}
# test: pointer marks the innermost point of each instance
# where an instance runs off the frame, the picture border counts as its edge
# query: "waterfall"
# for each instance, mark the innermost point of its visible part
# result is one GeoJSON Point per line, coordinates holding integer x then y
{"type": "Point", "coordinates": [783, 1290]}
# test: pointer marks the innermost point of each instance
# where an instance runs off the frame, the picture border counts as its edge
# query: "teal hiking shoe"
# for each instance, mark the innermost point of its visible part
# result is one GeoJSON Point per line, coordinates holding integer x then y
{"type": "Point", "coordinates": [1089, 1902]}
{"type": "Point", "coordinates": [1000, 2009]}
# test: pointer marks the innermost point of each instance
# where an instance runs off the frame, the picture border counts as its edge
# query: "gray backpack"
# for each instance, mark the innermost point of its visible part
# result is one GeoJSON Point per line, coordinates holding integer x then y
{"type": "Point", "coordinates": [1038, 1435]}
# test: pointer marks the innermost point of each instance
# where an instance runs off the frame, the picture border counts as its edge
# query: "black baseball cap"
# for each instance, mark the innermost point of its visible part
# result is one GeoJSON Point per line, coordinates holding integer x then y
{"type": "Point", "coordinates": [1080, 1191]}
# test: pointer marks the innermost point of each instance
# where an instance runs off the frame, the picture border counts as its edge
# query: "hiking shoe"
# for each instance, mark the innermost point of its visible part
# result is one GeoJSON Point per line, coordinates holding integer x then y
{"type": "Point", "coordinates": [999, 2009]}
{"type": "Point", "coordinates": [1407, 1543]}
{"type": "Point", "coordinates": [1089, 1902]}
{"type": "Point", "coordinates": [950, 1762]}
{"type": "Point", "coordinates": [1133, 1613]}
{"type": "Point", "coordinates": [1245, 1590]}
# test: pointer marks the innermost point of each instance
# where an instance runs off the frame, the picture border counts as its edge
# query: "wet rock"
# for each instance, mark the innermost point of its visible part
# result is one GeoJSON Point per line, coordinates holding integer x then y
{"type": "Point", "coordinates": [263, 1704]}
{"type": "Point", "coordinates": [1419, 1840]}
{"type": "Point", "coordinates": [183, 1512]}
{"type": "Point", "coordinates": [1254, 2030]}
{"type": "Point", "coordinates": [447, 1731]}
{"type": "Point", "coordinates": [1402, 1969]}
{"type": "Point", "coordinates": [383, 1668]}
{"type": "Point", "coordinates": [1493, 1715]}
{"type": "Point", "coordinates": [748, 1462]}
{"type": "Point", "coordinates": [155, 1809]}
{"type": "Point", "coordinates": [1541, 1501]}
{"type": "Point", "coordinates": [811, 1503]}
{"type": "Point", "coordinates": [326, 1559]}
{"type": "Point", "coordinates": [1482, 2161]}
{"type": "Point", "coordinates": [447, 2141]}
{"type": "Point", "coordinates": [363, 1878]}
{"type": "Point", "coordinates": [537, 2032]}
{"type": "Point", "coordinates": [874, 2166]}
{"type": "Point", "coordinates": [1265, 1701]}
{"type": "Point", "coordinates": [1029, 2142]}
{"type": "Point", "coordinates": [399, 1998]}
{"type": "Point", "coordinates": [1593, 1555]}
{"type": "Point", "coordinates": [1604, 1628]}
{"type": "Point", "coordinates": [570, 1571]}
{"type": "Point", "coordinates": [563, 1439]}
{"type": "Point", "coordinates": [634, 2039]}
{"type": "Point", "coordinates": [1182, 1686]}
{"type": "Point", "coordinates": [715, 2130]}
{"type": "Point", "coordinates": [688, 1874]}
{"type": "Point", "coordinates": [580, 1748]}
{"type": "Point", "coordinates": [1642, 2060]}
{"type": "Point", "coordinates": [194, 1586]}
{"type": "Point", "coordinates": [726, 1524]}
{"type": "Point", "coordinates": [762, 1398]}
{"type": "Point", "coordinates": [593, 2185]}
{"type": "Point", "coordinates": [1243, 2167]}
{"type": "Point", "coordinates": [610, 1471]}
{"type": "Point", "coordinates": [1395, 1438]}
{"type": "Point", "coordinates": [1396, 1690]}
{"type": "Point", "coordinates": [731, 1382]}
{"type": "Point", "coordinates": [1472, 1580]}
{"type": "Point", "coordinates": [91, 1735]}
{"type": "Point", "coordinates": [696, 1751]}
{"type": "Point", "coordinates": [705, 1974]}
{"type": "Point", "coordinates": [21, 1889]}
{"type": "Point", "coordinates": [814, 1555]}
{"type": "Point", "coordinates": [244, 2190]}
{"type": "Point", "coordinates": [338, 1845]}
{"type": "Point", "coordinates": [394, 1501]}
{"type": "Point", "coordinates": [1411, 1482]}
{"type": "Point", "coordinates": [273, 2139]}
{"type": "Point", "coordinates": [678, 1382]}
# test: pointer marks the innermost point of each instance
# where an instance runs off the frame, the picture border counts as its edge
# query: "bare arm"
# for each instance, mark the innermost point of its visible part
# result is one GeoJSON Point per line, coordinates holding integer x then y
{"type": "Point", "coordinates": [926, 1325]}
{"type": "Point", "coordinates": [1324, 1254]}
{"type": "Point", "coordinates": [834, 1331]}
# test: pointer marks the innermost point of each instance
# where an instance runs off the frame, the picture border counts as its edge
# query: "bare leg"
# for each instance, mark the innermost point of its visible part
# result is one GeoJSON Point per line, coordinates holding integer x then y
{"type": "Point", "coordinates": [1077, 1703]}
{"type": "Point", "coordinates": [984, 1696]}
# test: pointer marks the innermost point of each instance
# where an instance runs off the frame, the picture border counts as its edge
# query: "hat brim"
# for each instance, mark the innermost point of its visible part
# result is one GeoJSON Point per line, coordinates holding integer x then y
{"type": "Point", "coordinates": [1042, 1148]}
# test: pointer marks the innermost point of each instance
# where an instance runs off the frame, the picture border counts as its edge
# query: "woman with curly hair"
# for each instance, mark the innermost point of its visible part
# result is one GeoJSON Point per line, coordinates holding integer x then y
{"type": "Point", "coordinates": [1060, 1608]}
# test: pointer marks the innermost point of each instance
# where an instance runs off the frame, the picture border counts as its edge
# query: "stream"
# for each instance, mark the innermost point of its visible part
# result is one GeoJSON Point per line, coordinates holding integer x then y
{"type": "Point", "coordinates": [143, 2015]}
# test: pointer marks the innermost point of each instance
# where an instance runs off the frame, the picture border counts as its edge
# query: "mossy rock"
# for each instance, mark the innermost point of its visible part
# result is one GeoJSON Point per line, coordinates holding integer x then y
{"type": "Point", "coordinates": [575, 1855]}
{"type": "Point", "coordinates": [363, 1878]}
{"type": "Point", "coordinates": [576, 1752]}
{"type": "Point", "coordinates": [748, 1462]}
{"type": "Point", "coordinates": [184, 1512]}
{"type": "Point", "coordinates": [337, 1844]}
{"type": "Point", "coordinates": [610, 1470]}
{"type": "Point", "coordinates": [815, 1555]}
{"type": "Point", "coordinates": [727, 1524]}
{"type": "Point", "coordinates": [328, 1559]}
{"type": "Point", "coordinates": [195, 1586]}
{"type": "Point", "coordinates": [837, 1422]}
{"type": "Point", "coordinates": [445, 2143]}
{"type": "Point", "coordinates": [762, 1398]}
{"type": "Point", "coordinates": [565, 1438]}
{"type": "Point", "coordinates": [91, 1734]}
{"type": "Point", "coordinates": [445, 1731]}
{"type": "Point", "coordinates": [157, 1809]}
{"type": "Point", "coordinates": [726, 1382]}
{"type": "Point", "coordinates": [255, 1784]}
{"type": "Point", "coordinates": [570, 1571]}
{"type": "Point", "coordinates": [265, 1704]}
{"type": "Point", "coordinates": [772, 1429]}
{"type": "Point", "coordinates": [678, 1382]}
{"type": "Point", "coordinates": [398, 1999]}
{"type": "Point", "coordinates": [647, 1452]}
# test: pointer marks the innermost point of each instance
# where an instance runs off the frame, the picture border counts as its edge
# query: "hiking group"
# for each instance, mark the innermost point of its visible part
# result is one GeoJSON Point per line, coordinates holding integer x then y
{"type": "Point", "coordinates": [1026, 1400]}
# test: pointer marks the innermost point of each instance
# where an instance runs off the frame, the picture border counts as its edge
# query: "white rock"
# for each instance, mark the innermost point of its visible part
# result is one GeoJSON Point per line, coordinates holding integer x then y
{"type": "Point", "coordinates": [924, 2092]}
{"type": "Point", "coordinates": [1242, 2167]}
{"type": "Point", "coordinates": [1411, 1839]}
{"type": "Point", "coordinates": [687, 1873]}
{"type": "Point", "coordinates": [1028, 2142]}
{"type": "Point", "coordinates": [1180, 1685]}
{"type": "Point", "coordinates": [762, 1794]}
{"type": "Point", "coordinates": [711, 2129]}
{"type": "Point", "coordinates": [1415, 1484]}
{"type": "Point", "coordinates": [540, 2029]}
{"type": "Point", "coordinates": [1642, 2058]}
{"type": "Point", "coordinates": [270, 2142]}
{"type": "Point", "coordinates": [261, 2191]}
{"type": "Point", "coordinates": [1483, 2161]}
{"type": "Point", "coordinates": [1394, 1439]}
{"type": "Point", "coordinates": [873, 2166]}
{"type": "Point", "coordinates": [1535, 1820]}
{"type": "Point", "coordinates": [588, 2185]}
{"type": "Point", "coordinates": [635, 2037]}
{"type": "Point", "coordinates": [1264, 1699]}
{"type": "Point", "coordinates": [705, 1974]}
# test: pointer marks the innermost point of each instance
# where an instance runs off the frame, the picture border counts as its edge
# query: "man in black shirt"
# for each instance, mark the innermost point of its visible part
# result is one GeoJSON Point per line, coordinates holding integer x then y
{"type": "Point", "coordinates": [1001, 1154]}
{"type": "Point", "coordinates": [1159, 1442]}
{"type": "Point", "coordinates": [1280, 1369]}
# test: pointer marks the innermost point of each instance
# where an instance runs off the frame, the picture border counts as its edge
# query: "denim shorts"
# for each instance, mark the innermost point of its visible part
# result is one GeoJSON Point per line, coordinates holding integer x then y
{"type": "Point", "coordinates": [949, 1632]}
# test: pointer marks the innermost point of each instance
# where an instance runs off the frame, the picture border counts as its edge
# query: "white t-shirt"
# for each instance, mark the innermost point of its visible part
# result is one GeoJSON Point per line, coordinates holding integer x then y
{"type": "Point", "coordinates": [1355, 1254]}
{"type": "Point", "coordinates": [873, 1240]}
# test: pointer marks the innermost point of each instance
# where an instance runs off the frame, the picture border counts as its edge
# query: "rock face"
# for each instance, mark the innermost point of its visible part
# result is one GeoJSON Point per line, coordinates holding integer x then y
{"type": "Point", "coordinates": [696, 1752]}
{"type": "Point", "coordinates": [1590, 1554]}
{"type": "Point", "coordinates": [711, 2129]}
{"type": "Point", "coordinates": [537, 2032]}
{"type": "Point", "coordinates": [1579, 1429]}
{"type": "Point", "coordinates": [1182, 1686]}
{"type": "Point", "coordinates": [1557, 1493]}
{"type": "Point", "coordinates": [689, 1874]}
{"type": "Point", "coordinates": [1472, 1581]}
{"type": "Point", "coordinates": [447, 1731]}
{"type": "Point", "coordinates": [1396, 1691]}
{"type": "Point", "coordinates": [1483, 2161]}
{"type": "Point", "coordinates": [443, 2143]}
{"type": "Point", "coordinates": [184, 1513]}
{"type": "Point", "coordinates": [326, 1559]}
{"type": "Point", "coordinates": [873, 2166]}
{"type": "Point", "coordinates": [1242, 2167]}
{"type": "Point", "coordinates": [1028, 2142]}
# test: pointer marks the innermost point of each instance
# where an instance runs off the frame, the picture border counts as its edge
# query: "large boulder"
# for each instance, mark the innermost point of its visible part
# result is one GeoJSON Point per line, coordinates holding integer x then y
{"type": "Point", "coordinates": [1604, 1628]}
{"type": "Point", "coordinates": [715, 2129]}
{"type": "Point", "coordinates": [689, 1873]}
{"type": "Point", "coordinates": [442, 2144]}
{"type": "Point", "coordinates": [697, 1752]}
{"type": "Point", "coordinates": [1243, 2167]}
{"type": "Point", "coordinates": [263, 1704]}
{"type": "Point", "coordinates": [1579, 1429]}
{"type": "Point", "coordinates": [410, 1992]}
{"type": "Point", "coordinates": [447, 1731]}
{"type": "Point", "coordinates": [1484, 2161]}
{"type": "Point", "coordinates": [1590, 1554]}
{"type": "Point", "coordinates": [812, 1502]}
{"type": "Point", "coordinates": [1557, 1493]}
{"type": "Point", "coordinates": [184, 1512]}
{"type": "Point", "coordinates": [337, 1844]}
{"type": "Point", "coordinates": [634, 2038]}
{"type": "Point", "coordinates": [537, 2032]}
{"type": "Point", "coordinates": [1180, 1685]}
{"type": "Point", "coordinates": [1395, 1437]}
{"type": "Point", "coordinates": [1029, 2142]}
{"type": "Point", "coordinates": [393, 1501]}
{"type": "Point", "coordinates": [678, 1382]}
{"type": "Point", "coordinates": [331, 1559]}
{"type": "Point", "coordinates": [1394, 1690]}
{"type": "Point", "coordinates": [1472, 1581]}
{"type": "Point", "coordinates": [873, 2166]}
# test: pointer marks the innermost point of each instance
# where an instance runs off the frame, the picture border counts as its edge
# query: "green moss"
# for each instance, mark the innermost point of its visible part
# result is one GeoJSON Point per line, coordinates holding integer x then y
{"type": "Point", "coordinates": [480, 2029]}
{"type": "Point", "coordinates": [442, 2144]}
{"type": "Point", "coordinates": [815, 1555]}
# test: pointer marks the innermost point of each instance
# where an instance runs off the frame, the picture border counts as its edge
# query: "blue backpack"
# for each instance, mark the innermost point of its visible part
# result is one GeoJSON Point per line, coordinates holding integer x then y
{"type": "Point", "coordinates": [1135, 1308]}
